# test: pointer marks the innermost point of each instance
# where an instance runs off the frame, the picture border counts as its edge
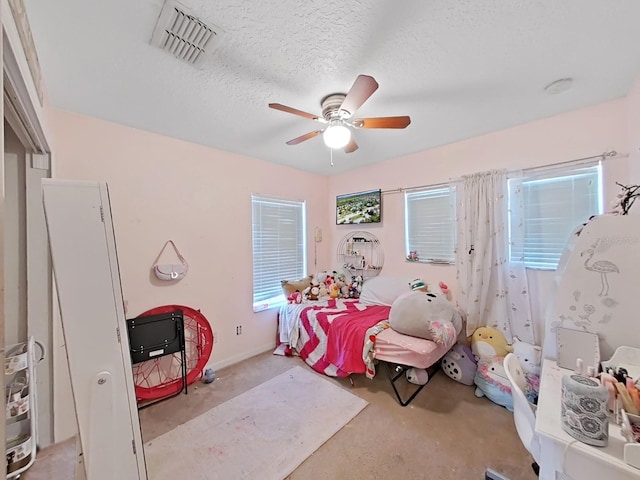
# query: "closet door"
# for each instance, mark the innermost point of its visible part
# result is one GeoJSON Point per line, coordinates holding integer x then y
{"type": "Point", "coordinates": [85, 265]}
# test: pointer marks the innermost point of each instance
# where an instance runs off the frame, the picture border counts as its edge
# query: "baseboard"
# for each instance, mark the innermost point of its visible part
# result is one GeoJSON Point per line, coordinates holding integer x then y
{"type": "Point", "coordinates": [239, 358]}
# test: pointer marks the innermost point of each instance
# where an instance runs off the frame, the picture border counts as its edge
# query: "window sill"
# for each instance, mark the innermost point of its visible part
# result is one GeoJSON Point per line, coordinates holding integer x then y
{"type": "Point", "coordinates": [431, 262]}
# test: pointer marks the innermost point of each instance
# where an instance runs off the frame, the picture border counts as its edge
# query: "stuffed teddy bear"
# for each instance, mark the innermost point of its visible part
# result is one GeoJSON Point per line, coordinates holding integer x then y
{"type": "Point", "coordinates": [314, 292]}
{"type": "Point", "coordinates": [460, 364]}
{"type": "Point", "coordinates": [487, 342]}
{"type": "Point", "coordinates": [334, 290]}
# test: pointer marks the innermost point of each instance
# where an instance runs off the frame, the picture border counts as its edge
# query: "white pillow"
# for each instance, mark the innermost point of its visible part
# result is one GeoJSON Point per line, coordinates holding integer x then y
{"type": "Point", "coordinates": [384, 290]}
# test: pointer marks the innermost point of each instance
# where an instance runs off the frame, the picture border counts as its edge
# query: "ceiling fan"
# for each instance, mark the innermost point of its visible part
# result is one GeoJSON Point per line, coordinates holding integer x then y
{"type": "Point", "coordinates": [337, 114]}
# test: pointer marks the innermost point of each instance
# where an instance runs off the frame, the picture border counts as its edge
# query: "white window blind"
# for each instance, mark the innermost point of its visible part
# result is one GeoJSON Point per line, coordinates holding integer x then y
{"type": "Point", "coordinates": [279, 246]}
{"type": "Point", "coordinates": [555, 202]}
{"type": "Point", "coordinates": [430, 224]}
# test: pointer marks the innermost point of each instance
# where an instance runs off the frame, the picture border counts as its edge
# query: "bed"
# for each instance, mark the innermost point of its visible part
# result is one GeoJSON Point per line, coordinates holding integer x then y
{"type": "Point", "coordinates": [341, 337]}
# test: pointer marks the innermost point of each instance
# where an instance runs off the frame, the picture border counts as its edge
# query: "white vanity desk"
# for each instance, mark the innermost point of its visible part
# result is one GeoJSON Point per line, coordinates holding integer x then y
{"type": "Point", "coordinates": [563, 454]}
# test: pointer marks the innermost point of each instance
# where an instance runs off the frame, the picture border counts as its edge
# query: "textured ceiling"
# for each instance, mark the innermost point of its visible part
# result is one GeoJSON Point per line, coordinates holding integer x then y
{"type": "Point", "coordinates": [458, 68]}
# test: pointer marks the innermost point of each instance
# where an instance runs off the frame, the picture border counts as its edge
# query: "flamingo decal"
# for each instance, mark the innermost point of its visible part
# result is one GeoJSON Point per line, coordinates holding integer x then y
{"type": "Point", "coordinates": [603, 267]}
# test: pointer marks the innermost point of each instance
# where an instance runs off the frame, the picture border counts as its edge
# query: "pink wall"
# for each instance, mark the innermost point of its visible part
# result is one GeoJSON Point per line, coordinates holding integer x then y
{"type": "Point", "coordinates": [163, 188]}
{"type": "Point", "coordinates": [576, 134]}
{"type": "Point", "coordinates": [633, 122]}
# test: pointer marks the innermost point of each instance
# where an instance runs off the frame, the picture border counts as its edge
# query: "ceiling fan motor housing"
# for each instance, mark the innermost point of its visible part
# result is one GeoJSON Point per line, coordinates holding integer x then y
{"type": "Point", "coordinates": [331, 107]}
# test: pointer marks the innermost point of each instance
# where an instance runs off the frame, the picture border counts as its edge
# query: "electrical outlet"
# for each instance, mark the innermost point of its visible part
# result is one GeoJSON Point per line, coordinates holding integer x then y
{"type": "Point", "coordinates": [238, 329]}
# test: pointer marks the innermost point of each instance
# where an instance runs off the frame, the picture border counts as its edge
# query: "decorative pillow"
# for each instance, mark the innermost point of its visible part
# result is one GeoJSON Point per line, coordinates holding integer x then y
{"type": "Point", "coordinates": [290, 286]}
{"type": "Point", "coordinates": [384, 290]}
{"type": "Point", "coordinates": [424, 315]}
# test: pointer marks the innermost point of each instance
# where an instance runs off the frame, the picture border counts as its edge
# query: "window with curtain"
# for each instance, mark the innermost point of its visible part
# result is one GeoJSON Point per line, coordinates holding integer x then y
{"type": "Point", "coordinates": [430, 224]}
{"type": "Point", "coordinates": [279, 246]}
{"type": "Point", "coordinates": [555, 202]}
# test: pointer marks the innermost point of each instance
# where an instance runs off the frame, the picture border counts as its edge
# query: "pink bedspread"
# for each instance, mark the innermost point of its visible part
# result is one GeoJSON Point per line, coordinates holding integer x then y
{"type": "Point", "coordinates": [332, 336]}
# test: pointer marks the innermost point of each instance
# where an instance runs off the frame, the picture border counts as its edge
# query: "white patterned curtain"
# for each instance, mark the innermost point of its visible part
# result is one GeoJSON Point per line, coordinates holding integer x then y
{"type": "Point", "coordinates": [493, 287]}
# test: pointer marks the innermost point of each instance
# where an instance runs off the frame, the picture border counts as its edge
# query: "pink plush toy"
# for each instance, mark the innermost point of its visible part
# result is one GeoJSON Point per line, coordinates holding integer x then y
{"type": "Point", "coordinates": [295, 297]}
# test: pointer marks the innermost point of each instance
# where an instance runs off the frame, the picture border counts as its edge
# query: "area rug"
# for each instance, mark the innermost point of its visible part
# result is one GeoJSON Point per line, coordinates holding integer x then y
{"type": "Point", "coordinates": [265, 433]}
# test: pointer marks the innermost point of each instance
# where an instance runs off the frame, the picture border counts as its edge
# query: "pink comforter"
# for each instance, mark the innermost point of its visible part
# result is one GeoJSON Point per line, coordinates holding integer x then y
{"type": "Point", "coordinates": [332, 336]}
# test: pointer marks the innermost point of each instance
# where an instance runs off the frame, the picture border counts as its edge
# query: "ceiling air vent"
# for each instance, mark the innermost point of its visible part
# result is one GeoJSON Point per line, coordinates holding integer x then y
{"type": "Point", "coordinates": [183, 35]}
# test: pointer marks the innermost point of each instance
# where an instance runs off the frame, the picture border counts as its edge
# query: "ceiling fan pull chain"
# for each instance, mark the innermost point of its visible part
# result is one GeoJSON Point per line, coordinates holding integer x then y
{"type": "Point", "coordinates": [331, 153]}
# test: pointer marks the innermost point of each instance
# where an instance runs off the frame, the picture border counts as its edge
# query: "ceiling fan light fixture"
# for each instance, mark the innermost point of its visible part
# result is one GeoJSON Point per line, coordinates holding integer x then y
{"type": "Point", "coordinates": [336, 135]}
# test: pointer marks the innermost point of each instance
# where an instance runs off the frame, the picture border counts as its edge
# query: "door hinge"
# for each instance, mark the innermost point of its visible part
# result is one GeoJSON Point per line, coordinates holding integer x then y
{"type": "Point", "coordinates": [133, 446]}
{"type": "Point", "coordinates": [102, 213]}
{"type": "Point", "coordinates": [118, 333]}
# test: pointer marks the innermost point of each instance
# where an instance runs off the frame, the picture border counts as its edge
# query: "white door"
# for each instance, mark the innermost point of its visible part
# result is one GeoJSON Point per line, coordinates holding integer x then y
{"type": "Point", "coordinates": [85, 266]}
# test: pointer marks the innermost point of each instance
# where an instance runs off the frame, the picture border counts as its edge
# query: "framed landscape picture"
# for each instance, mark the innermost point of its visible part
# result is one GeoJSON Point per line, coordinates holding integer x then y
{"type": "Point", "coordinates": [360, 207]}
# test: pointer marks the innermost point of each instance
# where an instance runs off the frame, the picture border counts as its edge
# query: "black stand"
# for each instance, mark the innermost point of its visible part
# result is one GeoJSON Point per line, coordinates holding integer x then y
{"type": "Point", "coordinates": [155, 336]}
{"type": "Point", "coordinates": [394, 376]}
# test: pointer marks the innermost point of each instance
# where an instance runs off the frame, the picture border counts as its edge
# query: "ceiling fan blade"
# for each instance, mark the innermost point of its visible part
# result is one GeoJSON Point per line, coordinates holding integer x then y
{"type": "Point", "coordinates": [352, 146]}
{"type": "Point", "coordinates": [382, 122]}
{"type": "Point", "coordinates": [295, 111]}
{"type": "Point", "coordinates": [304, 137]}
{"type": "Point", "coordinates": [360, 91]}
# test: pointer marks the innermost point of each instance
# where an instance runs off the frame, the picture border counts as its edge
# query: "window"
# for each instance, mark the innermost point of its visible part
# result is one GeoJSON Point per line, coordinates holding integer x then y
{"type": "Point", "coordinates": [279, 246]}
{"type": "Point", "coordinates": [554, 203]}
{"type": "Point", "coordinates": [430, 224]}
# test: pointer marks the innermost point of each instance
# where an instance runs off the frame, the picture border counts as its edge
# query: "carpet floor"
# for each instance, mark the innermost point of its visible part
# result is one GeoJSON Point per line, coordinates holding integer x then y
{"type": "Point", "coordinates": [282, 421]}
{"type": "Point", "coordinates": [446, 433]}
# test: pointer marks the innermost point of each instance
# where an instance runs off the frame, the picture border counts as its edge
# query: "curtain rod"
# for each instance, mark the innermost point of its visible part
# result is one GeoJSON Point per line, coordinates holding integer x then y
{"type": "Point", "coordinates": [602, 156]}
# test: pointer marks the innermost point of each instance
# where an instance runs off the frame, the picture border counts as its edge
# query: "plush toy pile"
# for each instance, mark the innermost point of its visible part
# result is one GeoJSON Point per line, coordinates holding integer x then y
{"type": "Point", "coordinates": [490, 347]}
{"type": "Point", "coordinates": [321, 286]}
{"type": "Point", "coordinates": [482, 365]}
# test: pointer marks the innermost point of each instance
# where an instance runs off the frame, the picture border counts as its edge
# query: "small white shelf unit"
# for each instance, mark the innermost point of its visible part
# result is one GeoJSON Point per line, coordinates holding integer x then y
{"type": "Point", "coordinates": [21, 411]}
{"type": "Point", "coordinates": [359, 253]}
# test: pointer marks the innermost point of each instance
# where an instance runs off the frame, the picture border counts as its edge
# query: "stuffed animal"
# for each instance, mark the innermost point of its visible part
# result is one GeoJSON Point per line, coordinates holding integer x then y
{"type": "Point", "coordinates": [334, 290]}
{"type": "Point", "coordinates": [530, 356]}
{"type": "Point", "coordinates": [295, 297]}
{"type": "Point", "coordinates": [460, 364]}
{"type": "Point", "coordinates": [209, 376]}
{"type": "Point", "coordinates": [487, 342]}
{"type": "Point", "coordinates": [343, 287]}
{"type": "Point", "coordinates": [354, 291]}
{"type": "Point", "coordinates": [331, 279]}
{"type": "Point", "coordinates": [444, 288]}
{"type": "Point", "coordinates": [314, 292]}
{"type": "Point", "coordinates": [359, 281]}
{"type": "Point", "coordinates": [424, 315]}
{"type": "Point", "coordinates": [491, 381]}
{"type": "Point", "coordinates": [419, 285]}
{"type": "Point", "coordinates": [320, 277]}
{"type": "Point", "coordinates": [418, 376]}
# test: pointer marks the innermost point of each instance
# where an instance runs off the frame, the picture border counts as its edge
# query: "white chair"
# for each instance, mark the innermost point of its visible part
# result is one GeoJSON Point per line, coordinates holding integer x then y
{"type": "Point", "coordinates": [523, 414]}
